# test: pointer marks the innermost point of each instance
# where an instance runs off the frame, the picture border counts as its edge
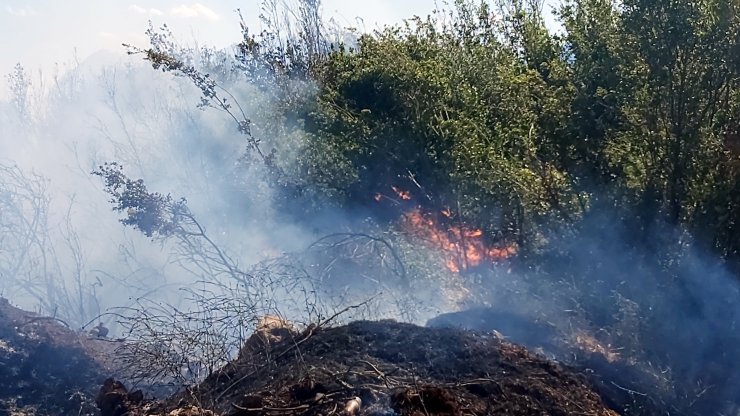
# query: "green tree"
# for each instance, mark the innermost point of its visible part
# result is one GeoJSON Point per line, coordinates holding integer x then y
{"type": "Point", "coordinates": [443, 108]}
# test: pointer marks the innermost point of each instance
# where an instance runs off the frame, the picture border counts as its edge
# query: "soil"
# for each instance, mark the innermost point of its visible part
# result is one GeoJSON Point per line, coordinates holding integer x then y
{"type": "Point", "coordinates": [47, 368]}
{"type": "Point", "coordinates": [363, 368]}
{"type": "Point", "coordinates": [387, 368]}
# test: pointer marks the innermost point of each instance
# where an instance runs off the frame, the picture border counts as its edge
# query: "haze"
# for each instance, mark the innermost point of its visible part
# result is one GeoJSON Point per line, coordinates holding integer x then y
{"type": "Point", "coordinates": [40, 34]}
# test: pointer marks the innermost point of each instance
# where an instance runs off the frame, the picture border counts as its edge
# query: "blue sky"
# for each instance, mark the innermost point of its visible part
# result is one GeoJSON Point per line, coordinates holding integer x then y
{"type": "Point", "coordinates": [42, 33]}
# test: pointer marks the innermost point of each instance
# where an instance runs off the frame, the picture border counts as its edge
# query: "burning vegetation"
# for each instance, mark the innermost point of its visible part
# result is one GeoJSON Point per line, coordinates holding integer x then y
{"type": "Point", "coordinates": [462, 247]}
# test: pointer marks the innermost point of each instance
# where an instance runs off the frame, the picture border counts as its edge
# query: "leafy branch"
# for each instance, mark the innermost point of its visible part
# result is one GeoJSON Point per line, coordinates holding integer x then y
{"type": "Point", "coordinates": [164, 55]}
{"type": "Point", "coordinates": [161, 217]}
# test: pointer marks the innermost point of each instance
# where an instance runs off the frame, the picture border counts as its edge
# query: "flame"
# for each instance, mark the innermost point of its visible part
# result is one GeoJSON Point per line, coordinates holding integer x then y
{"type": "Point", "coordinates": [462, 247]}
{"type": "Point", "coordinates": [404, 195]}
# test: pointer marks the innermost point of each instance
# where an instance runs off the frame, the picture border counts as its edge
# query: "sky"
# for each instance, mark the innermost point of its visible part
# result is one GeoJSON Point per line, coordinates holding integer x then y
{"type": "Point", "coordinates": [43, 33]}
{"type": "Point", "coordinates": [51, 34]}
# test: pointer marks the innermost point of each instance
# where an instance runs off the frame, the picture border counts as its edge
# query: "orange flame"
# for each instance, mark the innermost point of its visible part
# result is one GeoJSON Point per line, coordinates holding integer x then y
{"type": "Point", "coordinates": [405, 195]}
{"type": "Point", "coordinates": [462, 247]}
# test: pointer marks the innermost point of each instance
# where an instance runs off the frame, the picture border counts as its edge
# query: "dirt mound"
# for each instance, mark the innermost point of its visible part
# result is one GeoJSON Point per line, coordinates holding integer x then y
{"type": "Point", "coordinates": [364, 368]}
{"type": "Point", "coordinates": [45, 367]}
{"type": "Point", "coordinates": [385, 368]}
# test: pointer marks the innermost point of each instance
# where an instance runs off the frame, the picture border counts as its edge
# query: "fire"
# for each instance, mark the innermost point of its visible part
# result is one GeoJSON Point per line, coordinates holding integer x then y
{"type": "Point", "coordinates": [404, 195]}
{"type": "Point", "coordinates": [462, 247]}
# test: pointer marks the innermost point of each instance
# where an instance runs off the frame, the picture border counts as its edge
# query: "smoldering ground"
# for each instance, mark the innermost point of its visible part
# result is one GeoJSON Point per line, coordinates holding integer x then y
{"type": "Point", "coordinates": [649, 312]}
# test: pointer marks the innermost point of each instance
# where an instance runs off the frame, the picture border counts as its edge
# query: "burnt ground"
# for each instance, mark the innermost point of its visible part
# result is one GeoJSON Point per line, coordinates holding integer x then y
{"type": "Point", "coordinates": [47, 368]}
{"type": "Point", "coordinates": [364, 368]}
{"type": "Point", "coordinates": [379, 368]}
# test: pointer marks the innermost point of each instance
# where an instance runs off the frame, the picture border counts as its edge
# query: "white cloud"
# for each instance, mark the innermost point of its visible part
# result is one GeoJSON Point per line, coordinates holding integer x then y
{"type": "Point", "coordinates": [107, 35]}
{"type": "Point", "coordinates": [22, 11]}
{"type": "Point", "coordinates": [136, 8]}
{"type": "Point", "coordinates": [194, 10]}
{"type": "Point", "coordinates": [142, 10]}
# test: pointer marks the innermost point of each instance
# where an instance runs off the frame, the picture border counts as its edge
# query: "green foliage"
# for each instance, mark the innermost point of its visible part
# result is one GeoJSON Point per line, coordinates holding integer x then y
{"type": "Point", "coordinates": [486, 112]}
{"type": "Point", "coordinates": [490, 114]}
{"type": "Point", "coordinates": [656, 82]}
{"type": "Point", "coordinates": [450, 113]}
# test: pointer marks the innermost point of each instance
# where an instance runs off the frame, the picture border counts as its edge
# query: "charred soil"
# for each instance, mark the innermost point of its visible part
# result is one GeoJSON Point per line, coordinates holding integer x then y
{"type": "Point", "coordinates": [363, 368]}
{"type": "Point", "coordinates": [47, 368]}
{"type": "Point", "coordinates": [380, 368]}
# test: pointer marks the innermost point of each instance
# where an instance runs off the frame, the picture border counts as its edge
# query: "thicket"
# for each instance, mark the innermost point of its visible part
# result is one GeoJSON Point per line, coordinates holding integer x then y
{"type": "Point", "coordinates": [521, 131]}
{"type": "Point", "coordinates": [518, 130]}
